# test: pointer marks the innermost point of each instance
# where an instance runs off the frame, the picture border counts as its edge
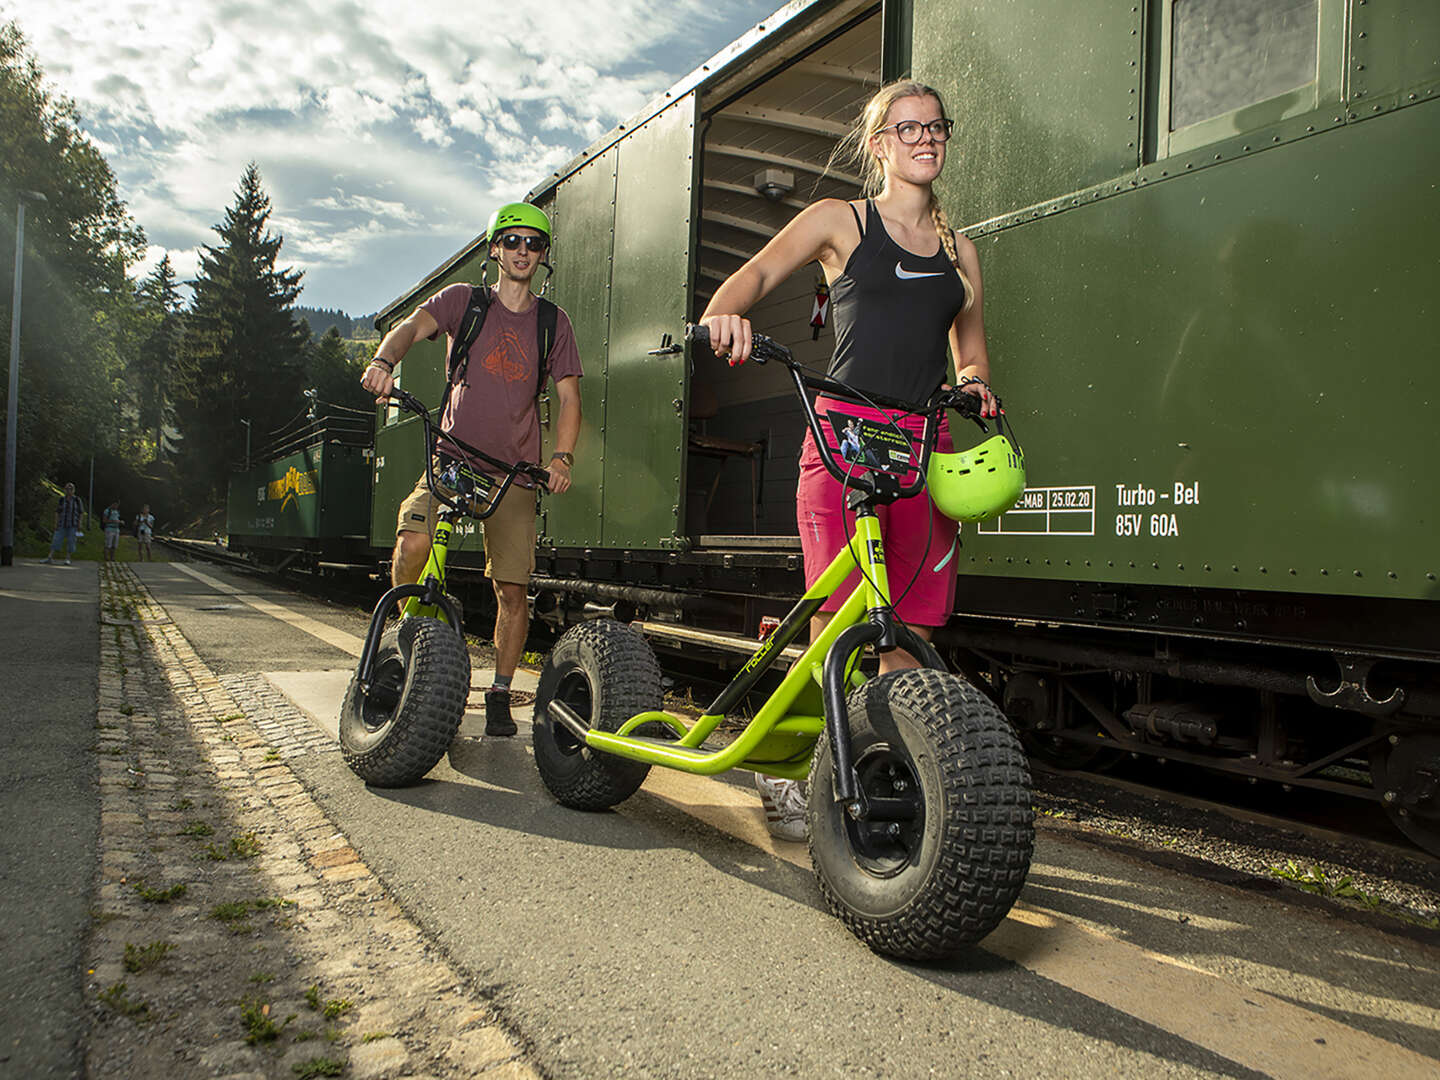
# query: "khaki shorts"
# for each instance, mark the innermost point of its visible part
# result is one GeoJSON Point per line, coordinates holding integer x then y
{"type": "Point", "coordinates": [509, 531]}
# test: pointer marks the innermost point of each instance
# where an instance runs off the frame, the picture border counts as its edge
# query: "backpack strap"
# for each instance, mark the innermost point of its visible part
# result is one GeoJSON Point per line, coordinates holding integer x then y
{"type": "Point", "coordinates": [547, 317]}
{"type": "Point", "coordinates": [471, 323]}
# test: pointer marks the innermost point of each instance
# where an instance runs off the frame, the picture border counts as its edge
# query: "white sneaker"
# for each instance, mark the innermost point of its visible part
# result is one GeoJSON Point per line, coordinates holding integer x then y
{"type": "Point", "coordinates": [67, 562]}
{"type": "Point", "coordinates": [49, 560]}
{"type": "Point", "coordinates": [785, 805]}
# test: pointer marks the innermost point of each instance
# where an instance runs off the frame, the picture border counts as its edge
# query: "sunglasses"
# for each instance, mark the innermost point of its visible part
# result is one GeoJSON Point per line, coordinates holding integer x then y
{"type": "Point", "coordinates": [908, 131]}
{"type": "Point", "coordinates": [512, 242]}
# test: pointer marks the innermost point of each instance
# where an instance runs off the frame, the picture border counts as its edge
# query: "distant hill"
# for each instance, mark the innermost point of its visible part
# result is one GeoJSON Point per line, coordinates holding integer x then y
{"type": "Point", "coordinates": [321, 319]}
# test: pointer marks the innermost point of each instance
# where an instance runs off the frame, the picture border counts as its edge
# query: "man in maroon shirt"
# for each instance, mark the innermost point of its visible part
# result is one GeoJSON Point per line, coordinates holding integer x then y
{"type": "Point", "coordinates": [493, 407]}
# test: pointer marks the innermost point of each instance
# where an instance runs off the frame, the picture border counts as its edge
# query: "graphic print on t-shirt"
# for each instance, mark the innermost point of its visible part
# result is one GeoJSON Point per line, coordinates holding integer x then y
{"type": "Point", "coordinates": [507, 359]}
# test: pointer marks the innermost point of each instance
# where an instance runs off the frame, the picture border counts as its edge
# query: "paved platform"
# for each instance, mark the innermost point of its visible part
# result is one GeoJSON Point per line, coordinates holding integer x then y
{"type": "Point", "coordinates": [50, 807]}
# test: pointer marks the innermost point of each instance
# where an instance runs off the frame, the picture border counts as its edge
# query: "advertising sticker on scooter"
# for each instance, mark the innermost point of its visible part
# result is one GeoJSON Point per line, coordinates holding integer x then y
{"type": "Point", "coordinates": [864, 443]}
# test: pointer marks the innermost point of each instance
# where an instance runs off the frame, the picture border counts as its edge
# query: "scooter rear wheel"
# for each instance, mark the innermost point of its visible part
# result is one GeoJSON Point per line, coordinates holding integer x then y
{"type": "Point", "coordinates": [606, 673]}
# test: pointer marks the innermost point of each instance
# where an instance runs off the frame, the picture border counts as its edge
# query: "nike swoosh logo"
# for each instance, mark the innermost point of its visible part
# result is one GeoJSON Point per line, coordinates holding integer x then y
{"type": "Point", "coordinates": [910, 275]}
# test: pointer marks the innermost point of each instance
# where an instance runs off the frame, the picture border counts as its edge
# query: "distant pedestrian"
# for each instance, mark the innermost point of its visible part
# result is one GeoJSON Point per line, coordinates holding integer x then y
{"type": "Point", "coordinates": [112, 521]}
{"type": "Point", "coordinates": [144, 527]}
{"type": "Point", "coordinates": [67, 525]}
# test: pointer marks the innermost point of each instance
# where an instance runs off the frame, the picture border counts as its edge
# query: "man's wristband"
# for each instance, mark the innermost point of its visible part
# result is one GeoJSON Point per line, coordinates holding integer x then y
{"type": "Point", "coordinates": [386, 364]}
{"type": "Point", "coordinates": [565, 457]}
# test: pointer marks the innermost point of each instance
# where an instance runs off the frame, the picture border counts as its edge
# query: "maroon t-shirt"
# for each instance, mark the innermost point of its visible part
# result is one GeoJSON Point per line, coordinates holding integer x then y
{"type": "Point", "coordinates": [493, 406]}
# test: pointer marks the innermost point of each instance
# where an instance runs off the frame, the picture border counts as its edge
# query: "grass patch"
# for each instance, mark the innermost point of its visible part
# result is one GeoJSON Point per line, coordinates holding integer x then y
{"type": "Point", "coordinates": [127, 709]}
{"type": "Point", "coordinates": [197, 828]}
{"type": "Point", "coordinates": [245, 846]}
{"type": "Point", "coordinates": [181, 804]}
{"type": "Point", "coordinates": [140, 958]}
{"type": "Point", "coordinates": [160, 896]}
{"type": "Point", "coordinates": [305, 1036]}
{"type": "Point", "coordinates": [375, 1036]}
{"type": "Point", "coordinates": [116, 998]}
{"type": "Point", "coordinates": [260, 1026]}
{"type": "Point", "coordinates": [235, 914]}
{"type": "Point", "coordinates": [312, 996]}
{"type": "Point", "coordinates": [212, 852]}
{"type": "Point", "coordinates": [261, 977]}
{"type": "Point", "coordinates": [232, 716]}
{"type": "Point", "coordinates": [320, 1066]}
{"type": "Point", "coordinates": [272, 755]}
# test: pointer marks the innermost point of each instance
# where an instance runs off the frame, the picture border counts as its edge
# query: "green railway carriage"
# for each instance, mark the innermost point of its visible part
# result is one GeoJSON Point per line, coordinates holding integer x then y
{"type": "Point", "coordinates": [308, 495]}
{"type": "Point", "coordinates": [1208, 230]}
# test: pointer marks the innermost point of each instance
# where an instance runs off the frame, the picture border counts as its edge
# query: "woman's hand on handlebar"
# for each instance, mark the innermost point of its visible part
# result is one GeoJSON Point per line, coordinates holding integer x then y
{"type": "Point", "coordinates": [378, 381]}
{"type": "Point", "coordinates": [730, 337]}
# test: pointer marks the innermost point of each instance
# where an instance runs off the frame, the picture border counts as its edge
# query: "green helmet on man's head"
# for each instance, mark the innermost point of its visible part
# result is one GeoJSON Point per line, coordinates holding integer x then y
{"type": "Point", "coordinates": [517, 215]}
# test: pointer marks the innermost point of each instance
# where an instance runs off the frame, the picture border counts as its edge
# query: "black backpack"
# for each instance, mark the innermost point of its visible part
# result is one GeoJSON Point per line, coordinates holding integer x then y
{"type": "Point", "coordinates": [473, 321]}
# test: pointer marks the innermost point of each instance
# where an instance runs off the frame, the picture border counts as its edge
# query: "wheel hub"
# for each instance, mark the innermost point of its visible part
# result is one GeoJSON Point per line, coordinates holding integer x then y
{"type": "Point", "coordinates": [574, 691]}
{"type": "Point", "coordinates": [885, 841]}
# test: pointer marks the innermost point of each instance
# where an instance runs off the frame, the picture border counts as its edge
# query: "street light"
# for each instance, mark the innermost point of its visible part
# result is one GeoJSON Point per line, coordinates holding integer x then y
{"type": "Point", "coordinates": [247, 444]}
{"type": "Point", "coordinates": [12, 401]}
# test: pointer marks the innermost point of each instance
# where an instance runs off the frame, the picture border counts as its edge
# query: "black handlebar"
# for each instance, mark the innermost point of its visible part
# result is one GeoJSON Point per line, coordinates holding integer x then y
{"type": "Point", "coordinates": [764, 349]}
{"type": "Point", "coordinates": [435, 440]}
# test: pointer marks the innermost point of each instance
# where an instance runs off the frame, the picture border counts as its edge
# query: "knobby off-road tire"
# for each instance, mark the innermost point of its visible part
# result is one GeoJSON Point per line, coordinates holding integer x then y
{"type": "Point", "coordinates": [396, 734]}
{"type": "Point", "coordinates": [944, 859]}
{"type": "Point", "coordinates": [607, 673]}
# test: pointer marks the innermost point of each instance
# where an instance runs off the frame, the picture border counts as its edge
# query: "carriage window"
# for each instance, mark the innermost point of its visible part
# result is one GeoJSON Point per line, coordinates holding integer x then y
{"type": "Point", "coordinates": [1226, 54]}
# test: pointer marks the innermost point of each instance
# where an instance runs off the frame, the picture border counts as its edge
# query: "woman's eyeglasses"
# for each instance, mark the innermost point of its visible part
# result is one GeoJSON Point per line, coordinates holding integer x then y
{"type": "Point", "coordinates": [512, 241]}
{"type": "Point", "coordinates": [908, 131]}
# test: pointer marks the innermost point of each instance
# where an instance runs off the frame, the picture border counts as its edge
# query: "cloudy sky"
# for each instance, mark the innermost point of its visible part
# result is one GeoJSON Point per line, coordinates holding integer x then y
{"type": "Point", "coordinates": [384, 133]}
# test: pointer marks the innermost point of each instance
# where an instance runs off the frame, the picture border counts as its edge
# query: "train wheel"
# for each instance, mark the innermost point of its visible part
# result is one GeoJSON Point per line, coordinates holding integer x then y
{"type": "Point", "coordinates": [395, 734]}
{"type": "Point", "coordinates": [607, 673]}
{"type": "Point", "coordinates": [945, 850]}
{"type": "Point", "coordinates": [1405, 769]}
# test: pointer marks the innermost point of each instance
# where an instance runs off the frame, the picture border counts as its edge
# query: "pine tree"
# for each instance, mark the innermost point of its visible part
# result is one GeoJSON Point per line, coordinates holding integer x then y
{"type": "Point", "coordinates": [244, 352]}
{"type": "Point", "coordinates": [335, 375]}
{"type": "Point", "coordinates": [157, 362]}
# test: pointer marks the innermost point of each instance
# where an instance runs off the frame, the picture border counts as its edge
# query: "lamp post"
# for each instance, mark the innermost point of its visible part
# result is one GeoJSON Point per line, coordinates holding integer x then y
{"type": "Point", "coordinates": [12, 400]}
{"type": "Point", "coordinates": [247, 444]}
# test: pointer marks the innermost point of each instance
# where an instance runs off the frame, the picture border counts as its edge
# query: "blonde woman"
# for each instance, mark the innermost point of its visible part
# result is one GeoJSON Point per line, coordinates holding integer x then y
{"type": "Point", "coordinates": [903, 286]}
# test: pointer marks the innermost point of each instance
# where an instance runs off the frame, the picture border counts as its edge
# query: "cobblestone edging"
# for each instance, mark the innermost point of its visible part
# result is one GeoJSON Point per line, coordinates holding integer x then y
{"type": "Point", "coordinates": [237, 933]}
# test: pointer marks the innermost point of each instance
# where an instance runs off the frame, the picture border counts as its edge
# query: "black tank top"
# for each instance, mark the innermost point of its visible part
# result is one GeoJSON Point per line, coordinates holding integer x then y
{"type": "Point", "coordinates": [893, 311]}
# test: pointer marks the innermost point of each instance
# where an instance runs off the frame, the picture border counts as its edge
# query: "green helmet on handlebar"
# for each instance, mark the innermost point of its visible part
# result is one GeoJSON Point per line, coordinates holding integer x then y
{"type": "Point", "coordinates": [980, 483]}
{"type": "Point", "coordinates": [517, 215]}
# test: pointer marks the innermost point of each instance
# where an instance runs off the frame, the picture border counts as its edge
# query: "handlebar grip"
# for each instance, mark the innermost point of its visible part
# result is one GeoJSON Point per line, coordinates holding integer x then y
{"type": "Point", "coordinates": [762, 348]}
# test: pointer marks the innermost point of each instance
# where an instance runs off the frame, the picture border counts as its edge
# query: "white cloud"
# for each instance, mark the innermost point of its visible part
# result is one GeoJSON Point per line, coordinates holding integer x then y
{"type": "Point", "coordinates": [377, 125]}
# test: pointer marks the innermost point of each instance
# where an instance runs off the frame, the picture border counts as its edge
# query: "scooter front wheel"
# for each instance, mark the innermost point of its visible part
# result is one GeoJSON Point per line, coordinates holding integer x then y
{"type": "Point", "coordinates": [397, 732]}
{"type": "Point", "coordinates": [945, 846]}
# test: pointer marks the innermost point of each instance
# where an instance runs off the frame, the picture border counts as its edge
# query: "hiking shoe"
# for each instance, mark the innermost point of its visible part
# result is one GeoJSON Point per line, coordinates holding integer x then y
{"type": "Point", "coordinates": [785, 805]}
{"type": "Point", "coordinates": [497, 713]}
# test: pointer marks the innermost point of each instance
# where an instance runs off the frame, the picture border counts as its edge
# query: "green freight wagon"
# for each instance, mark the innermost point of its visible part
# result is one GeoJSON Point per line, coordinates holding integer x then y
{"type": "Point", "coordinates": [1208, 233]}
{"type": "Point", "coordinates": [306, 504]}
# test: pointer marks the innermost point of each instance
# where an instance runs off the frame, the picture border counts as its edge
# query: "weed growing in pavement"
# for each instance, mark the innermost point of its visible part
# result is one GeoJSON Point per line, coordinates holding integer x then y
{"type": "Point", "coordinates": [227, 737]}
{"type": "Point", "coordinates": [181, 804]}
{"type": "Point", "coordinates": [212, 853]}
{"type": "Point", "coordinates": [305, 1036]}
{"type": "Point", "coordinates": [272, 755]}
{"type": "Point", "coordinates": [375, 1036]}
{"type": "Point", "coordinates": [1314, 880]}
{"type": "Point", "coordinates": [232, 716]}
{"type": "Point", "coordinates": [336, 1008]}
{"type": "Point", "coordinates": [261, 977]}
{"type": "Point", "coordinates": [140, 958]}
{"type": "Point", "coordinates": [232, 911]}
{"type": "Point", "coordinates": [312, 996]}
{"type": "Point", "coordinates": [115, 997]}
{"type": "Point", "coordinates": [259, 1026]}
{"type": "Point", "coordinates": [197, 828]}
{"type": "Point", "coordinates": [532, 659]}
{"type": "Point", "coordinates": [321, 1066]}
{"type": "Point", "coordinates": [245, 846]}
{"type": "Point", "coordinates": [127, 709]}
{"type": "Point", "coordinates": [160, 896]}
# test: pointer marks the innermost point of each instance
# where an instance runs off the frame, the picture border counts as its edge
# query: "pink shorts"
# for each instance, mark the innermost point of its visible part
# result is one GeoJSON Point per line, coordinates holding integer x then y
{"type": "Point", "coordinates": [920, 542]}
